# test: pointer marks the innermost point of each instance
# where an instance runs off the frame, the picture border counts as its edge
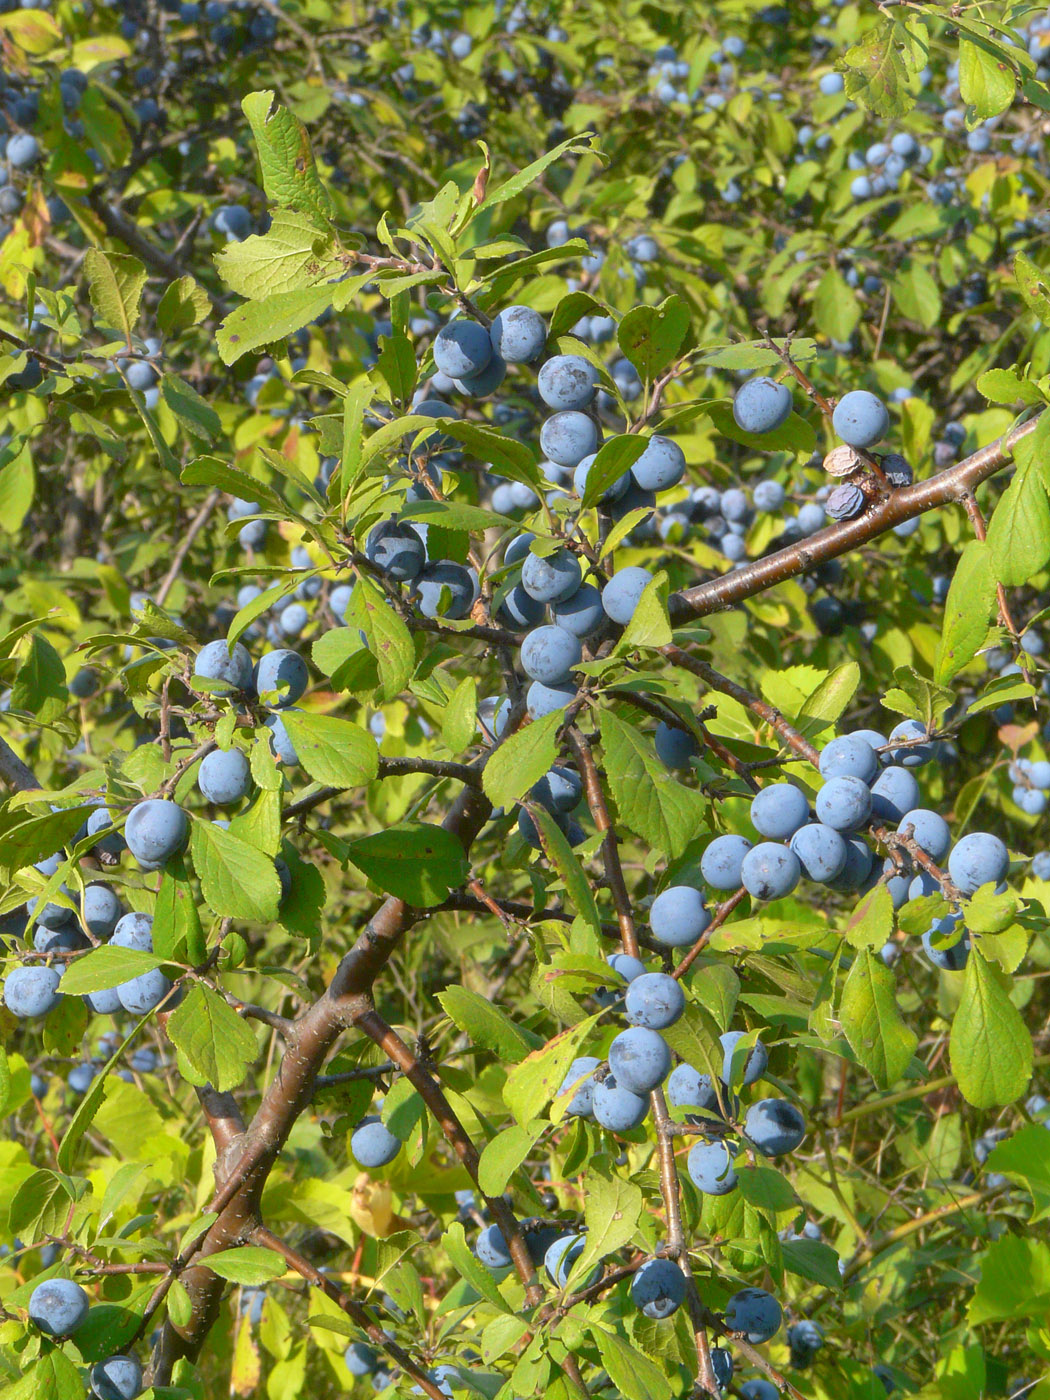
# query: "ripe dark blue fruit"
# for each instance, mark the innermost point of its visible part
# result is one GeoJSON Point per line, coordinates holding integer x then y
{"type": "Point", "coordinates": [541, 700]}
{"type": "Point", "coordinates": [611, 493]}
{"type": "Point", "coordinates": [894, 792]}
{"type": "Point", "coordinates": [754, 1312]}
{"type": "Point", "coordinates": [654, 1000]}
{"type": "Point", "coordinates": [621, 594]}
{"type": "Point", "coordinates": [31, 991]}
{"type": "Point", "coordinates": [661, 465]}
{"type": "Point", "coordinates": [155, 831]}
{"type": "Point", "coordinates": [678, 916]}
{"type": "Point", "coordinates": [640, 1059]}
{"type": "Point", "coordinates": [518, 611]}
{"type": "Point", "coordinates": [675, 747]}
{"type": "Point", "coordinates": [581, 614]}
{"type": "Point", "coordinates": [858, 865]}
{"type": "Point", "coordinates": [978, 859]}
{"type": "Point", "coordinates": [562, 1255]}
{"type": "Point", "coordinates": [723, 860]}
{"type": "Point", "coordinates": [117, 1378]}
{"type": "Point", "coordinates": [688, 1088]}
{"type": "Point", "coordinates": [224, 777]}
{"type": "Point", "coordinates": [101, 910]}
{"type": "Point", "coordinates": [914, 752]}
{"type": "Point", "coordinates": [579, 1078]}
{"type": "Point", "coordinates": [928, 830]}
{"type": "Point", "coordinates": [134, 930]}
{"type": "Point", "coordinates": [762, 405]}
{"type": "Point", "coordinates": [462, 348]}
{"type": "Point", "coordinates": [281, 678]}
{"type": "Point", "coordinates": [567, 437]}
{"type": "Point", "coordinates": [759, 1389]}
{"type": "Point", "coordinates": [770, 871]}
{"type": "Point", "coordinates": [710, 1167]}
{"type": "Point", "coordinates": [860, 419]}
{"type": "Point", "coordinates": [491, 1248]}
{"type": "Point", "coordinates": [446, 589]}
{"type": "Point", "coordinates": [551, 579]}
{"type": "Point", "coordinates": [779, 810]}
{"type": "Point", "coordinates": [518, 335]}
{"type": "Point", "coordinates": [550, 655]}
{"type": "Point", "coordinates": [567, 381]}
{"type": "Point", "coordinates": [849, 756]}
{"type": "Point", "coordinates": [615, 1107]}
{"type": "Point", "coordinates": [774, 1126]}
{"type": "Point", "coordinates": [845, 502]}
{"type": "Point", "coordinates": [722, 1365]}
{"type": "Point", "coordinates": [844, 803]}
{"type": "Point", "coordinates": [397, 550]}
{"type": "Point", "coordinates": [373, 1144]}
{"type": "Point", "coordinates": [821, 852]}
{"type": "Point", "coordinates": [752, 1066]}
{"type": "Point", "coordinates": [558, 790]}
{"type": "Point", "coordinates": [658, 1288]}
{"type": "Point", "coordinates": [58, 1306]}
{"type": "Point", "coordinates": [360, 1360]}
{"type": "Point", "coordinates": [216, 662]}
{"type": "Point", "coordinates": [144, 993]}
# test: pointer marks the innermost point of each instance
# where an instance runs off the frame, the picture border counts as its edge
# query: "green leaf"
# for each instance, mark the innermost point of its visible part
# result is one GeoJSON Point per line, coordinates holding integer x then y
{"type": "Point", "coordinates": [195, 414]}
{"type": "Point", "coordinates": [289, 172]}
{"type": "Point", "coordinates": [612, 1212]}
{"type": "Point", "coordinates": [990, 1047]}
{"type": "Point", "coordinates": [521, 760]}
{"type": "Point", "coordinates": [115, 283]}
{"type": "Point", "coordinates": [870, 923]}
{"type": "Point", "coordinates": [248, 1264]}
{"type": "Point", "coordinates": [504, 1154]}
{"type": "Point", "coordinates": [632, 1373]}
{"type": "Point", "coordinates": [881, 69]}
{"type": "Point", "coordinates": [457, 515]}
{"type": "Point", "coordinates": [651, 336]}
{"type": "Point", "coordinates": [967, 611]}
{"type": "Point", "coordinates": [415, 861]}
{"type": "Point", "coordinates": [296, 251]}
{"type": "Point", "coordinates": [106, 966]}
{"type": "Point", "coordinates": [1025, 1158]}
{"type": "Point", "coordinates": [1034, 286]}
{"type": "Point", "coordinates": [51, 1376]}
{"type": "Point", "coordinates": [218, 1043]}
{"type": "Point", "coordinates": [813, 1260]}
{"type": "Point", "coordinates": [40, 1205]}
{"type": "Point", "coordinates": [796, 435]}
{"type": "Point", "coordinates": [561, 855]}
{"type": "Point", "coordinates": [832, 694]}
{"type": "Point", "coordinates": [916, 294]}
{"type": "Point", "coordinates": [332, 750]}
{"type": "Point", "coordinates": [177, 931]}
{"type": "Point", "coordinates": [872, 1022]}
{"type": "Point", "coordinates": [237, 881]}
{"type": "Point", "coordinates": [210, 471]}
{"type": "Point", "coordinates": [653, 804]}
{"type": "Point", "coordinates": [499, 194]}
{"type": "Point", "coordinates": [503, 455]}
{"type": "Point", "coordinates": [386, 636]}
{"type": "Point", "coordinates": [33, 840]}
{"type": "Point", "coordinates": [987, 82]}
{"type": "Point", "coordinates": [17, 487]}
{"type": "Point", "coordinates": [835, 307]}
{"type": "Point", "coordinates": [184, 304]}
{"type": "Point", "coordinates": [40, 681]}
{"type": "Point", "coordinates": [89, 1105]}
{"type": "Point", "coordinates": [1019, 530]}
{"type": "Point", "coordinates": [533, 1082]}
{"type": "Point", "coordinates": [615, 456]}
{"type": "Point", "coordinates": [487, 1025]}
{"type": "Point", "coordinates": [1006, 386]}
{"type": "Point", "coordinates": [650, 624]}
{"type": "Point", "coordinates": [259, 323]}
{"type": "Point", "coordinates": [766, 1189]}
{"type": "Point", "coordinates": [397, 366]}
{"type": "Point", "coordinates": [467, 1266]}
{"type": "Point", "coordinates": [1014, 1282]}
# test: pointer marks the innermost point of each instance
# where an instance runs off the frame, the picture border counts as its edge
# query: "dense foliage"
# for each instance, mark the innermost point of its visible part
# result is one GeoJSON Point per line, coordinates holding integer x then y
{"type": "Point", "coordinates": [523, 700]}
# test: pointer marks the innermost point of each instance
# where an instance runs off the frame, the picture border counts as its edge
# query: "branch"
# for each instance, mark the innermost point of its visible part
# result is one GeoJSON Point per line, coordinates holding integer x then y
{"type": "Point", "coordinates": [951, 485]}
{"type": "Point", "coordinates": [610, 853]}
{"type": "Point", "coordinates": [197, 524]}
{"type": "Point", "coordinates": [16, 774]}
{"type": "Point", "coordinates": [355, 1311]}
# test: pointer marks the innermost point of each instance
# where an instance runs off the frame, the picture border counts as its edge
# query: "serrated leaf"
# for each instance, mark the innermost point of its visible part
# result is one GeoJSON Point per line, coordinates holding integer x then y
{"type": "Point", "coordinates": [835, 306]}
{"type": "Point", "coordinates": [296, 251]}
{"type": "Point", "coordinates": [194, 413]}
{"type": "Point", "coordinates": [218, 1043]}
{"type": "Point", "coordinates": [533, 1082]}
{"type": "Point", "coordinates": [248, 1264]}
{"type": "Point", "coordinates": [990, 1047]}
{"type": "Point", "coordinates": [467, 1266]}
{"type": "Point", "coordinates": [504, 1154]}
{"type": "Point", "coordinates": [386, 636]}
{"type": "Point", "coordinates": [832, 694]}
{"type": "Point", "coordinates": [612, 1212]}
{"type": "Point", "coordinates": [650, 624]}
{"type": "Point", "coordinates": [1014, 1280]}
{"type": "Point", "coordinates": [115, 283]}
{"type": "Point", "coordinates": [487, 1025]}
{"type": "Point", "coordinates": [561, 855]}
{"type": "Point", "coordinates": [655, 806]}
{"type": "Point", "coordinates": [1025, 1157]}
{"type": "Point", "coordinates": [332, 750]}
{"type": "Point", "coordinates": [615, 456]}
{"type": "Point", "coordinates": [1019, 530]}
{"type": "Point", "coordinates": [1034, 285]}
{"type": "Point", "coordinates": [630, 1370]}
{"type": "Point", "coordinates": [289, 172]}
{"type": "Point", "coordinates": [967, 611]}
{"type": "Point", "coordinates": [813, 1260]}
{"type": "Point", "coordinates": [881, 69]}
{"type": "Point", "coordinates": [105, 967]}
{"type": "Point", "coordinates": [265, 322]}
{"type": "Point", "coordinates": [184, 304]}
{"type": "Point", "coordinates": [987, 81]}
{"type": "Point", "coordinates": [415, 861]}
{"type": "Point", "coordinates": [871, 922]}
{"type": "Point", "coordinates": [871, 1020]}
{"type": "Point", "coordinates": [237, 881]}
{"type": "Point", "coordinates": [503, 455]}
{"type": "Point", "coordinates": [521, 760]}
{"type": "Point", "coordinates": [651, 336]}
